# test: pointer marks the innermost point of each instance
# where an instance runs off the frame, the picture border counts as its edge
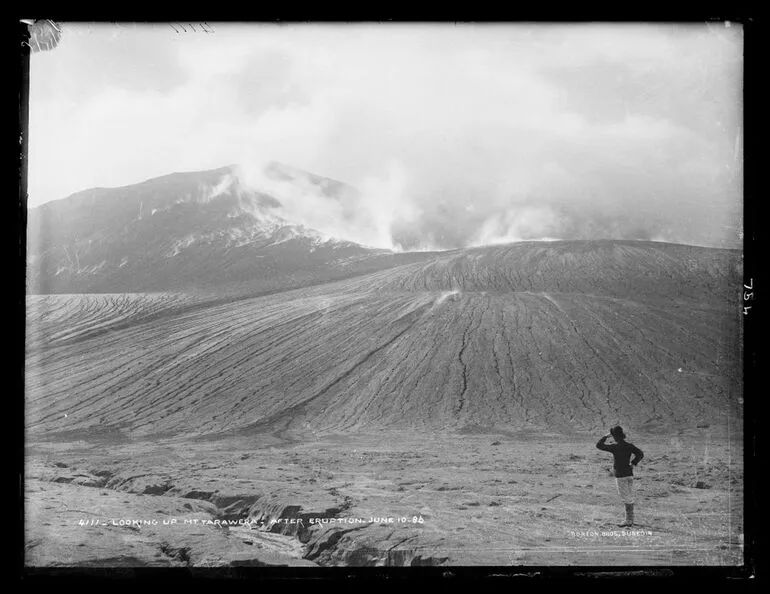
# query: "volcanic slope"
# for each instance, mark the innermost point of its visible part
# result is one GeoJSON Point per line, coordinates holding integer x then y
{"type": "Point", "coordinates": [563, 336]}
{"type": "Point", "coordinates": [192, 231]}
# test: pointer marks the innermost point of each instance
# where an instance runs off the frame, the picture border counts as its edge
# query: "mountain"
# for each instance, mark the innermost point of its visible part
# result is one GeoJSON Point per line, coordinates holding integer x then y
{"type": "Point", "coordinates": [200, 307]}
{"type": "Point", "coordinates": [558, 336]}
{"type": "Point", "coordinates": [188, 231]}
{"type": "Point", "coordinates": [214, 358]}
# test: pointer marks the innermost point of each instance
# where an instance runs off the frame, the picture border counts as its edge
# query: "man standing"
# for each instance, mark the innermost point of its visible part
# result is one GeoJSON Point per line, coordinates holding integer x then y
{"type": "Point", "coordinates": [624, 474]}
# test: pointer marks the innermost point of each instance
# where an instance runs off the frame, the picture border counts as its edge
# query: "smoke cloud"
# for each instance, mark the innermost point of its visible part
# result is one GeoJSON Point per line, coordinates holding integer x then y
{"type": "Point", "coordinates": [451, 135]}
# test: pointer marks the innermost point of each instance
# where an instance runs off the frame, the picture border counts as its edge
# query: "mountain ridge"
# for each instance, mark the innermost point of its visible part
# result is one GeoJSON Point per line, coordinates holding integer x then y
{"type": "Point", "coordinates": [181, 231]}
{"type": "Point", "coordinates": [206, 230]}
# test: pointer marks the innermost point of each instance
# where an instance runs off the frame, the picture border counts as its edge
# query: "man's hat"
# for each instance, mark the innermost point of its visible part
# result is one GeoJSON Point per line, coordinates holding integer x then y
{"type": "Point", "coordinates": [617, 431]}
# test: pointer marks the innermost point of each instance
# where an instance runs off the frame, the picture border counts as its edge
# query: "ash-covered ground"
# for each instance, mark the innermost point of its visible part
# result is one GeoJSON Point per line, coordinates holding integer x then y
{"type": "Point", "coordinates": [384, 499]}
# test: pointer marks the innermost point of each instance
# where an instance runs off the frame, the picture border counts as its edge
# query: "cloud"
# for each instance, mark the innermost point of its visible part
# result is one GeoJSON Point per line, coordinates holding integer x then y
{"type": "Point", "coordinates": [452, 135]}
{"type": "Point", "coordinates": [517, 224]}
{"type": "Point", "coordinates": [367, 217]}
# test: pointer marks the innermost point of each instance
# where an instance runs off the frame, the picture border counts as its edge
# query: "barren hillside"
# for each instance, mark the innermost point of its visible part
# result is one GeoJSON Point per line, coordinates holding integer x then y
{"type": "Point", "coordinates": [191, 231]}
{"type": "Point", "coordinates": [564, 336]}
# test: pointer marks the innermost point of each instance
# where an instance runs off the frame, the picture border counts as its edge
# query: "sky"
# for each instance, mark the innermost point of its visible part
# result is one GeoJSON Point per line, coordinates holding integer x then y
{"type": "Point", "coordinates": [454, 135]}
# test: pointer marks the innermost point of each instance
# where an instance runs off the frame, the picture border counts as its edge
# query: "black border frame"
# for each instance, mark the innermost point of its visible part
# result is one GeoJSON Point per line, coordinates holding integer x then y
{"type": "Point", "coordinates": [537, 575]}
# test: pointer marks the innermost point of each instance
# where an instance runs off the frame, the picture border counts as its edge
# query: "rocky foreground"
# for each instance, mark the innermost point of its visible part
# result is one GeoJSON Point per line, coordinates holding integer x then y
{"type": "Point", "coordinates": [386, 499]}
